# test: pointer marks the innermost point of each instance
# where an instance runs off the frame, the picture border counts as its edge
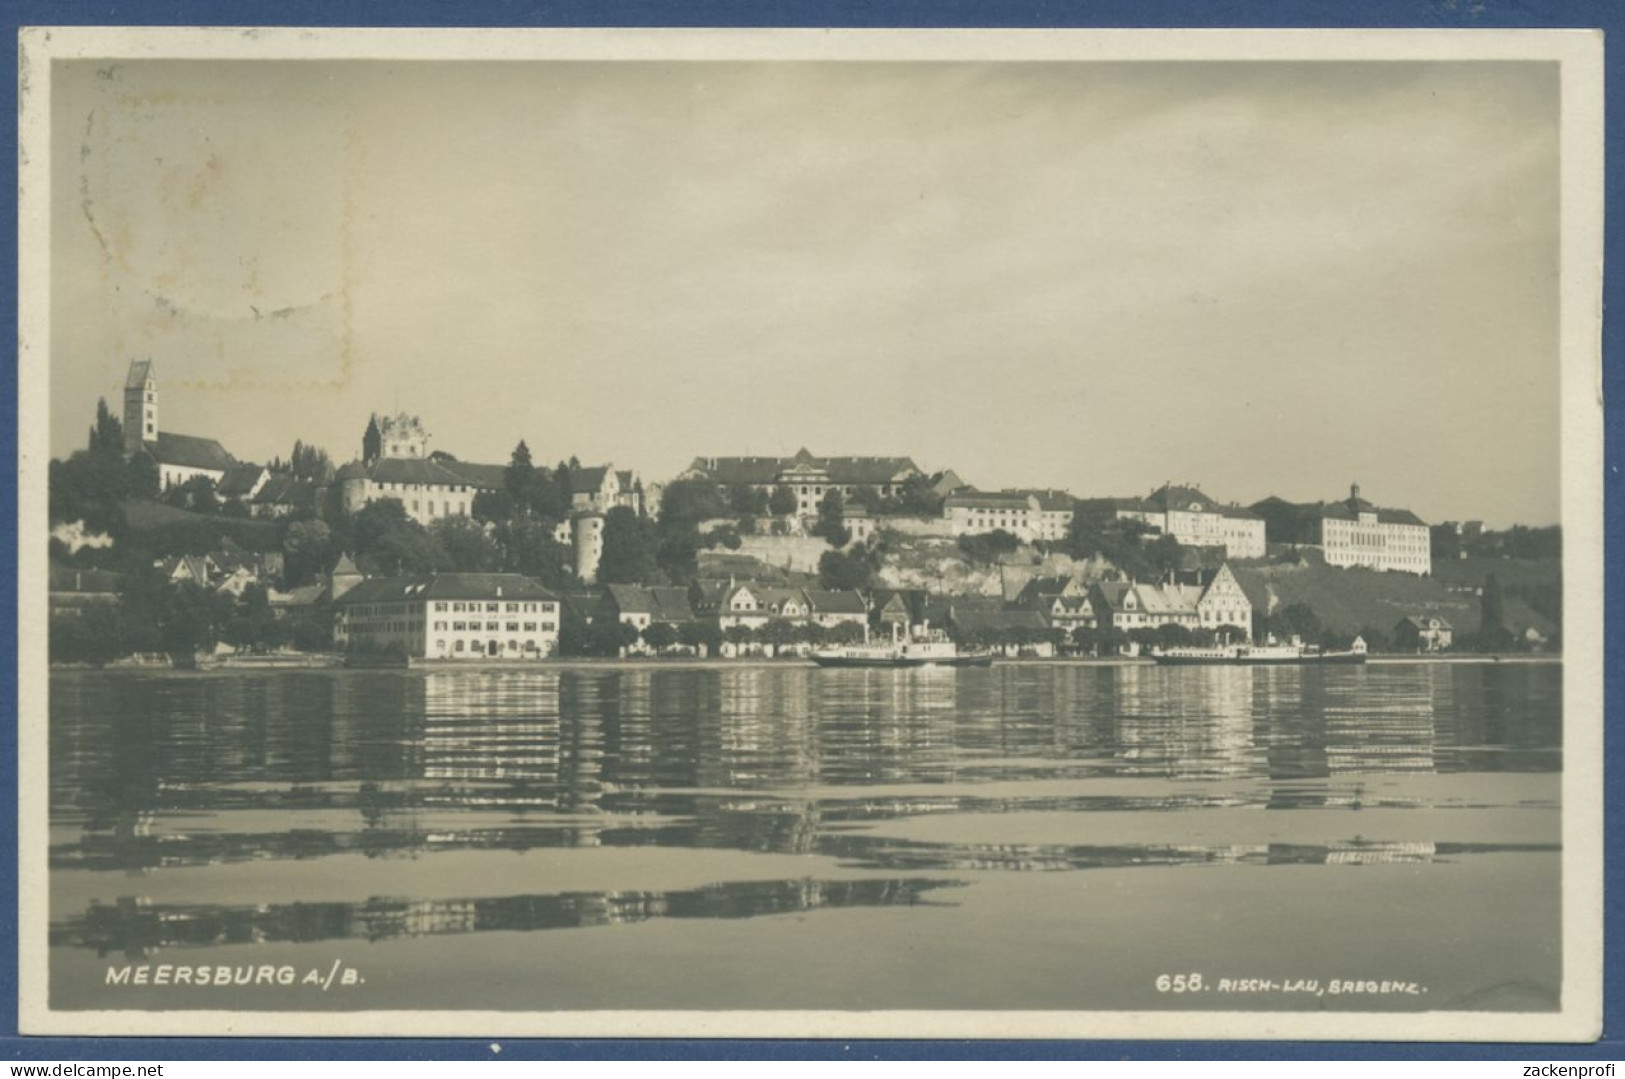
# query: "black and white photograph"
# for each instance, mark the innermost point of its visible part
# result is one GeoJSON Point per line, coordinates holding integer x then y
{"type": "Point", "coordinates": [811, 534]}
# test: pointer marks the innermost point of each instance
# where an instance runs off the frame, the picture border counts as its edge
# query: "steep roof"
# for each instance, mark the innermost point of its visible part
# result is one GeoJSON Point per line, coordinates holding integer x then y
{"type": "Point", "coordinates": [975, 618]}
{"type": "Point", "coordinates": [185, 451]}
{"type": "Point", "coordinates": [1171, 496]}
{"type": "Point", "coordinates": [140, 371]}
{"type": "Point", "coordinates": [1051, 500]}
{"type": "Point", "coordinates": [485, 477]}
{"type": "Point", "coordinates": [286, 491]}
{"type": "Point", "coordinates": [848, 471]}
{"type": "Point", "coordinates": [588, 479]}
{"type": "Point", "coordinates": [239, 481]}
{"type": "Point", "coordinates": [824, 601]}
{"type": "Point", "coordinates": [485, 586]}
{"type": "Point", "coordinates": [414, 470]}
{"type": "Point", "coordinates": [631, 599]}
{"type": "Point", "coordinates": [671, 604]}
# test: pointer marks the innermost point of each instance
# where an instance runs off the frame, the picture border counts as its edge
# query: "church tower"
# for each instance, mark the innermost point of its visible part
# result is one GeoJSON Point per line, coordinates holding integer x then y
{"type": "Point", "coordinates": [140, 406]}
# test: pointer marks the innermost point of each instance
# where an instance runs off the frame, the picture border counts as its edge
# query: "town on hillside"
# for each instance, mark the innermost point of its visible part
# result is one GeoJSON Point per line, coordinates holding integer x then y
{"type": "Point", "coordinates": [168, 549]}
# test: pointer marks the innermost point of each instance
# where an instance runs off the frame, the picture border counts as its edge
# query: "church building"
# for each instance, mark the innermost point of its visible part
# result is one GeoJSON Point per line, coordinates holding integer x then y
{"type": "Point", "coordinates": [179, 457]}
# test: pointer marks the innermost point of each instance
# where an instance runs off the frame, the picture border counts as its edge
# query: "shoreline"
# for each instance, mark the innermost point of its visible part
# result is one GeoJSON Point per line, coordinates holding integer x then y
{"type": "Point", "coordinates": [336, 663]}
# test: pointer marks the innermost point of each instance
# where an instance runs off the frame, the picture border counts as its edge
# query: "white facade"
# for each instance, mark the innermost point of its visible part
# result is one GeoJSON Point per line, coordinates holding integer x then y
{"type": "Point", "coordinates": [1370, 542]}
{"type": "Point", "coordinates": [973, 512]}
{"type": "Point", "coordinates": [437, 618]}
{"type": "Point", "coordinates": [423, 502]}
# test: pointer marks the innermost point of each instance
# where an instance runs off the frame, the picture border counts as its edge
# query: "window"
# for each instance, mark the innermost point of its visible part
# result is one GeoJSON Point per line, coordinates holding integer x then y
{"type": "Point", "coordinates": [459, 647]}
{"type": "Point", "coordinates": [512, 607]}
{"type": "Point", "coordinates": [513, 627]}
{"type": "Point", "coordinates": [530, 627]}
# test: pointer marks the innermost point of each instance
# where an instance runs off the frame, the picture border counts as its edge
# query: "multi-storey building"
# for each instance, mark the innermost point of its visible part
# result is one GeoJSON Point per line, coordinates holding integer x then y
{"type": "Point", "coordinates": [809, 478]}
{"type": "Point", "coordinates": [1353, 532]}
{"type": "Point", "coordinates": [1191, 517]}
{"type": "Point", "coordinates": [1206, 600]}
{"type": "Point", "coordinates": [969, 512]}
{"type": "Point", "coordinates": [449, 616]}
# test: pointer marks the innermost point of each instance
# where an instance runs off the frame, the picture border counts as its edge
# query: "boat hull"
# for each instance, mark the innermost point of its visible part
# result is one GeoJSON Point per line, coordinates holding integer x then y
{"type": "Point", "coordinates": [1335, 658]}
{"type": "Point", "coordinates": [894, 662]}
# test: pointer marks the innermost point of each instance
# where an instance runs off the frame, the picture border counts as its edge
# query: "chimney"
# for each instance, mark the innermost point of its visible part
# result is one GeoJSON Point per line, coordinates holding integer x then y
{"type": "Point", "coordinates": [1354, 490]}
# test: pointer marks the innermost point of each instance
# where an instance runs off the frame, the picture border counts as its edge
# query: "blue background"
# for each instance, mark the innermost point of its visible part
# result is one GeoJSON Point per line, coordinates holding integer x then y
{"type": "Point", "coordinates": [1492, 14]}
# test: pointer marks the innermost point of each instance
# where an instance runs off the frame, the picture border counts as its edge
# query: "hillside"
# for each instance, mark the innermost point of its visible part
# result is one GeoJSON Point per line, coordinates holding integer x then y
{"type": "Point", "coordinates": [1514, 573]}
{"type": "Point", "coordinates": [153, 523]}
{"type": "Point", "coordinates": [1347, 600]}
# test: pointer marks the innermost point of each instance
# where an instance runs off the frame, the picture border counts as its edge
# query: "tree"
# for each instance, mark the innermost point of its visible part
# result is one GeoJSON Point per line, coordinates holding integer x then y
{"type": "Point", "coordinates": [307, 552]}
{"type": "Point", "coordinates": [630, 548]}
{"type": "Point", "coordinates": [831, 525]}
{"type": "Point", "coordinates": [740, 637]}
{"type": "Point", "coordinates": [107, 437]}
{"type": "Point", "coordinates": [462, 545]}
{"type": "Point", "coordinates": [748, 501]}
{"type": "Point", "coordinates": [698, 635]}
{"type": "Point", "coordinates": [845, 633]}
{"type": "Point", "coordinates": [529, 547]}
{"type": "Point", "coordinates": [659, 636]}
{"type": "Point", "coordinates": [782, 503]}
{"type": "Point", "coordinates": [844, 572]}
{"type": "Point", "coordinates": [142, 477]}
{"type": "Point", "coordinates": [196, 494]}
{"type": "Point", "coordinates": [1086, 640]}
{"type": "Point", "coordinates": [777, 633]}
{"type": "Point", "coordinates": [683, 505]}
{"type": "Point", "coordinates": [987, 547]}
{"type": "Point", "coordinates": [388, 543]}
{"type": "Point", "coordinates": [868, 496]}
{"type": "Point", "coordinates": [519, 479]}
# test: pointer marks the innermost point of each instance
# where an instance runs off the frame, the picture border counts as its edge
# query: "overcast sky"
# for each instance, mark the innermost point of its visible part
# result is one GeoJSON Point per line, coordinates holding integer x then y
{"type": "Point", "coordinates": [1260, 278]}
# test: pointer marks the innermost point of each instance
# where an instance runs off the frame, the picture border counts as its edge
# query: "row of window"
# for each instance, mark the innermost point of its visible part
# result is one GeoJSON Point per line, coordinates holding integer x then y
{"type": "Point", "coordinates": [493, 627]}
{"type": "Point", "coordinates": [454, 607]}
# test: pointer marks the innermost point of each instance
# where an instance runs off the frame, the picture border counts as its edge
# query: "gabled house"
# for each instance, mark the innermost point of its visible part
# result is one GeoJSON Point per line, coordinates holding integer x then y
{"type": "Point", "coordinates": [829, 609]}
{"type": "Point", "coordinates": [1423, 633]}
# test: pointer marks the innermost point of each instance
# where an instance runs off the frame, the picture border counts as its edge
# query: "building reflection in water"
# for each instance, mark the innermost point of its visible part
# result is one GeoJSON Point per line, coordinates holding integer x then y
{"type": "Point", "coordinates": [137, 930]}
{"type": "Point", "coordinates": [149, 772]}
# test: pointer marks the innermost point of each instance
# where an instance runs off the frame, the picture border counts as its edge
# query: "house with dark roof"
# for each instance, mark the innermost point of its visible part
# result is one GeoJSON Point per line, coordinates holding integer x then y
{"type": "Point", "coordinates": [1186, 513]}
{"type": "Point", "coordinates": [1423, 633]}
{"type": "Point", "coordinates": [179, 457]}
{"type": "Point", "coordinates": [601, 488]}
{"type": "Point", "coordinates": [449, 616]}
{"type": "Point", "coordinates": [809, 477]}
{"type": "Point", "coordinates": [1351, 532]}
{"type": "Point", "coordinates": [833, 608]}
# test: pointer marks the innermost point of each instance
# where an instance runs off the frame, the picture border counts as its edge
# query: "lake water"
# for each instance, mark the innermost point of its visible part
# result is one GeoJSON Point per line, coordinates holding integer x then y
{"type": "Point", "coordinates": [1030, 836]}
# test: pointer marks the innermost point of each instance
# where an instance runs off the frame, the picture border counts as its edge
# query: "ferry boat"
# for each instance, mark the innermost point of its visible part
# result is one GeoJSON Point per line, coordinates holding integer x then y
{"type": "Point", "coordinates": [929, 649]}
{"type": "Point", "coordinates": [1270, 652]}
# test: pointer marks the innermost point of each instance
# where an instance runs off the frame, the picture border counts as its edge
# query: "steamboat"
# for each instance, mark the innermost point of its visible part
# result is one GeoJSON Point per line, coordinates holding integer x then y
{"type": "Point", "coordinates": [1270, 653]}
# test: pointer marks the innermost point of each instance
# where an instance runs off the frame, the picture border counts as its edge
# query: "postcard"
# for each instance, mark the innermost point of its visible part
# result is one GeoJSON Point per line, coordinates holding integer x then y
{"type": "Point", "coordinates": [811, 533]}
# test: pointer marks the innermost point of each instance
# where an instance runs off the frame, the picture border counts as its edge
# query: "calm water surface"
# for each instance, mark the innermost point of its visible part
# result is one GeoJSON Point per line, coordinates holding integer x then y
{"type": "Point", "coordinates": [1025, 836]}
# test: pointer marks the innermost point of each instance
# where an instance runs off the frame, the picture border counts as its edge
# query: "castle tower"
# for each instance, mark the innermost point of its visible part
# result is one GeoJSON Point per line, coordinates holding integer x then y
{"type": "Point", "coordinates": [140, 406]}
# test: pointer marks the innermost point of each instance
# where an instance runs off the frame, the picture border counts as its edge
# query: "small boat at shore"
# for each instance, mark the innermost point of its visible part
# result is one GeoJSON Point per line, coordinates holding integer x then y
{"type": "Point", "coordinates": [1269, 653]}
{"type": "Point", "coordinates": [932, 649]}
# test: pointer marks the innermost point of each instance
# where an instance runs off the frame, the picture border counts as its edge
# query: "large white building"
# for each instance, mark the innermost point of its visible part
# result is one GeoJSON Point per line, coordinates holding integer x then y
{"type": "Point", "coordinates": [809, 478]}
{"type": "Point", "coordinates": [449, 616]}
{"type": "Point", "coordinates": [969, 512]}
{"type": "Point", "coordinates": [1353, 532]}
{"type": "Point", "coordinates": [1192, 518]}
